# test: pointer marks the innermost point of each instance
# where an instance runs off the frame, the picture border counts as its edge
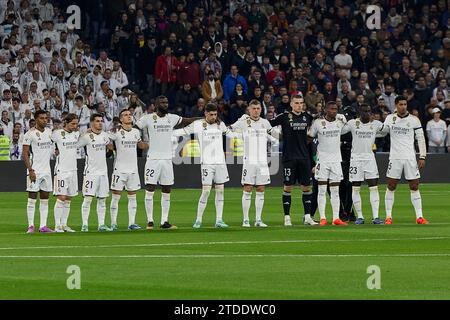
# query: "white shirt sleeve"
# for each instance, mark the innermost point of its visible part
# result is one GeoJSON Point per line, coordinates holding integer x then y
{"type": "Point", "coordinates": [313, 131]}
{"type": "Point", "coordinates": [142, 122]}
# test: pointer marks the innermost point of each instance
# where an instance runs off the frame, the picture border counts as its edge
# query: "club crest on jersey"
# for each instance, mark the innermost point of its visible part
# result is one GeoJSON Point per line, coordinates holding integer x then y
{"type": "Point", "coordinates": [92, 137]}
{"type": "Point", "coordinates": [394, 118]}
{"type": "Point", "coordinates": [38, 135]}
{"type": "Point", "coordinates": [63, 134]}
{"type": "Point", "coordinates": [249, 123]}
{"type": "Point", "coordinates": [358, 123]}
{"type": "Point", "coordinates": [290, 116]}
{"type": "Point", "coordinates": [155, 117]}
{"type": "Point", "coordinates": [122, 133]}
{"type": "Point", "coordinates": [324, 124]}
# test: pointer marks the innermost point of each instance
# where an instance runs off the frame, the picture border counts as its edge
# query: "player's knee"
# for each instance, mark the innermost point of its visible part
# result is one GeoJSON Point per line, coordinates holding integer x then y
{"type": "Point", "coordinates": [166, 189]}
{"type": "Point", "coordinates": [150, 187]}
{"type": "Point", "coordinates": [306, 189]}
{"type": "Point", "coordinates": [414, 186]}
{"type": "Point", "coordinates": [287, 189]}
{"type": "Point", "coordinates": [392, 186]}
{"type": "Point", "coordinates": [260, 189]}
{"type": "Point", "coordinates": [248, 188]}
{"type": "Point", "coordinates": [220, 188]}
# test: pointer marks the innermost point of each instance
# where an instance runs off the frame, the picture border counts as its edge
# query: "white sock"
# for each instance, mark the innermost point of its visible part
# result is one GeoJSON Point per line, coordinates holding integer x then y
{"type": "Point", "coordinates": [101, 211]}
{"type": "Point", "coordinates": [374, 201]}
{"type": "Point", "coordinates": [66, 213]}
{"type": "Point", "coordinates": [58, 212]}
{"type": "Point", "coordinates": [149, 205]}
{"type": "Point", "coordinates": [389, 202]}
{"type": "Point", "coordinates": [322, 200]}
{"type": "Point", "coordinates": [246, 202]}
{"type": "Point", "coordinates": [202, 202]}
{"type": "Point", "coordinates": [416, 200]}
{"type": "Point", "coordinates": [132, 207]}
{"type": "Point", "coordinates": [335, 201]}
{"type": "Point", "coordinates": [165, 206]}
{"type": "Point", "coordinates": [43, 210]}
{"type": "Point", "coordinates": [85, 210]}
{"type": "Point", "coordinates": [356, 197]}
{"type": "Point", "coordinates": [220, 195]}
{"type": "Point", "coordinates": [114, 207]}
{"type": "Point", "coordinates": [31, 208]}
{"type": "Point", "coordinates": [259, 204]}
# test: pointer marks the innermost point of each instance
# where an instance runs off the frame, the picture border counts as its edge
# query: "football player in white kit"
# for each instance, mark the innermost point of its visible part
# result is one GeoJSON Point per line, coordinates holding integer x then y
{"type": "Point", "coordinates": [37, 151]}
{"type": "Point", "coordinates": [328, 131]}
{"type": "Point", "coordinates": [125, 173]}
{"type": "Point", "coordinates": [66, 172]}
{"type": "Point", "coordinates": [95, 182]}
{"type": "Point", "coordinates": [255, 171]}
{"type": "Point", "coordinates": [363, 165]}
{"type": "Point", "coordinates": [159, 166]}
{"type": "Point", "coordinates": [209, 133]}
{"type": "Point", "coordinates": [403, 128]}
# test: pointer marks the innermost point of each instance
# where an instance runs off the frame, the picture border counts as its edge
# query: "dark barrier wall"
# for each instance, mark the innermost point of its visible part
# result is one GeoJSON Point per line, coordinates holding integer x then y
{"type": "Point", "coordinates": [13, 173]}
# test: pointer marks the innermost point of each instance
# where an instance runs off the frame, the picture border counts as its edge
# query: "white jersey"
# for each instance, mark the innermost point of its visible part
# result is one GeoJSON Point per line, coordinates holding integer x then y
{"type": "Point", "coordinates": [126, 145]}
{"type": "Point", "coordinates": [255, 134]}
{"type": "Point", "coordinates": [67, 144]}
{"type": "Point", "coordinates": [41, 149]}
{"type": "Point", "coordinates": [402, 132]}
{"type": "Point", "coordinates": [159, 130]}
{"type": "Point", "coordinates": [363, 138]}
{"type": "Point", "coordinates": [95, 148]}
{"type": "Point", "coordinates": [209, 137]}
{"type": "Point", "coordinates": [329, 136]}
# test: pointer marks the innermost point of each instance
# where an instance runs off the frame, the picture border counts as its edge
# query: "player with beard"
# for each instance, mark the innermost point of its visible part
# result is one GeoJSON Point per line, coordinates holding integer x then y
{"type": "Point", "coordinates": [159, 166]}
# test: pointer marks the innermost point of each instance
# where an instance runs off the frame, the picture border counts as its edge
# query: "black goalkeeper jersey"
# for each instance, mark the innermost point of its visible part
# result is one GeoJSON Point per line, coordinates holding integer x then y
{"type": "Point", "coordinates": [295, 137]}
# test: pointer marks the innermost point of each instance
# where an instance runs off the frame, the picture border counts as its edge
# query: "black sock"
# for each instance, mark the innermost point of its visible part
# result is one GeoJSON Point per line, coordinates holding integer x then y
{"type": "Point", "coordinates": [307, 201]}
{"type": "Point", "coordinates": [287, 203]}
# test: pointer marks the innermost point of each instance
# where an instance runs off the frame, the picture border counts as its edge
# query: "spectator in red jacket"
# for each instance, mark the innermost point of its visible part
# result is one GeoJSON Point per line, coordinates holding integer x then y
{"type": "Point", "coordinates": [166, 69]}
{"type": "Point", "coordinates": [276, 77]}
{"type": "Point", "coordinates": [189, 72]}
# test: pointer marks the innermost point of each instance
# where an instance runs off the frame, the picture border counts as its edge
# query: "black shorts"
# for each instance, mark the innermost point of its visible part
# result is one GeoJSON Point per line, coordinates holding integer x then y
{"type": "Point", "coordinates": [297, 171]}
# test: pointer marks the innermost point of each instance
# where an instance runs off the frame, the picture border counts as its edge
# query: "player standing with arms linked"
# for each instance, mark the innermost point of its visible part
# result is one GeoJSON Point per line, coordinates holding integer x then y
{"type": "Point", "coordinates": [159, 166]}
{"type": "Point", "coordinates": [363, 165]}
{"type": "Point", "coordinates": [328, 131]}
{"type": "Point", "coordinates": [255, 171]}
{"type": "Point", "coordinates": [403, 128]}
{"type": "Point", "coordinates": [95, 182]}
{"type": "Point", "coordinates": [37, 151]}
{"type": "Point", "coordinates": [66, 172]}
{"type": "Point", "coordinates": [209, 132]}
{"type": "Point", "coordinates": [125, 173]}
{"type": "Point", "coordinates": [296, 157]}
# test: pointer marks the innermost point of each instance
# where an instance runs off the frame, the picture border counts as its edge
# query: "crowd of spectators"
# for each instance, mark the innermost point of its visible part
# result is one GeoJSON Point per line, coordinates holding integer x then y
{"type": "Point", "coordinates": [228, 52]}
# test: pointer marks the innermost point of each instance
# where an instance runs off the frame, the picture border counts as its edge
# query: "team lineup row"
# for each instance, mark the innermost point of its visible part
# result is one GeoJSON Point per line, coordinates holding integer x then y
{"type": "Point", "coordinates": [298, 129]}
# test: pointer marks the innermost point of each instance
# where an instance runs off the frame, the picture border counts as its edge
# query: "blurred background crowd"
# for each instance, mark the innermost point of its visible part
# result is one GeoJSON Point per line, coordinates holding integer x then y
{"type": "Point", "coordinates": [229, 52]}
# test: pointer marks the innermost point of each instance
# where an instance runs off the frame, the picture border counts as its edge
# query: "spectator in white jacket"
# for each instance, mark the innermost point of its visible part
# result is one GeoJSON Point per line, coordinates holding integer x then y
{"type": "Point", "coordinates": [436, 132]}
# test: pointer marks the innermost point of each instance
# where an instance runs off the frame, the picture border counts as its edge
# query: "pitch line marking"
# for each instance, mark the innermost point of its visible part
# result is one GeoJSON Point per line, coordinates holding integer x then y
{"type": "Point", "coordinates": [406, 255]}
{"type": "Point", "coordinates": [208, 243]}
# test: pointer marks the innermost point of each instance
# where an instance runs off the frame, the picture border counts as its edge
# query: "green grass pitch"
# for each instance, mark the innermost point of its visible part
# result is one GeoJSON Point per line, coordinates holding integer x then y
{"type": "Point", "coordinates": [275, 263]}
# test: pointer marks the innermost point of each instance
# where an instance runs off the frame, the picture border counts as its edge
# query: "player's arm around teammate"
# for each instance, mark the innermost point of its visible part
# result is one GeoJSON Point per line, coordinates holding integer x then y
{"type": "Point", "coordinates": [37, 150]}
{"type": "Point", "coordinates": [403, 129]}
{"type": "Point", "coordinates": [66, 171]}
{"type": "Point", "coordinates": [125, 172]}
{"type": "Point", "coordinates": [255, 171]}
{"type": "Point", "coordinates": [296, 158]}
{"type": "Point", "coordinates": [328, 169]}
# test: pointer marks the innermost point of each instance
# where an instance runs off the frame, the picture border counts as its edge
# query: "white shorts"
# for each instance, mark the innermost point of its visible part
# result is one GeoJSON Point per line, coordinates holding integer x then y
{"type": "Point", "coordinates": [255, 175]}
{"type": "Point", "coordinates": [159, 172]}
{"type": "Point", "coordinates": [331, 171]}
{"type": "Point", "coordinates": [409, 167]}
{"type": "Point", "coordinates": [361, 170]}
{"type": "Point", "coordinates": [66, 184]}
{"type": "Point", "coordinates": [214, 173]}
{"type": "Point", "coordinates": [43, 183]}
{"type": "Point", "coordinates": [127, 181]}
{"type": "Point", "coordinates": [96, 186]}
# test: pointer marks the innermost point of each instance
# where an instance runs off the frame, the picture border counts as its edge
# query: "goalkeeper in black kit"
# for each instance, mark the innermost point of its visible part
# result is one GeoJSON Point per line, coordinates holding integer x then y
{"type": "Point", "coordinates": [296, 157]}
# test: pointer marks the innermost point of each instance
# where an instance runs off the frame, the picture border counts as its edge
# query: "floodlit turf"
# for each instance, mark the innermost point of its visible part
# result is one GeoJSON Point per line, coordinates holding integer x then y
{"type": "Point", "coordinates": [275, 263]}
